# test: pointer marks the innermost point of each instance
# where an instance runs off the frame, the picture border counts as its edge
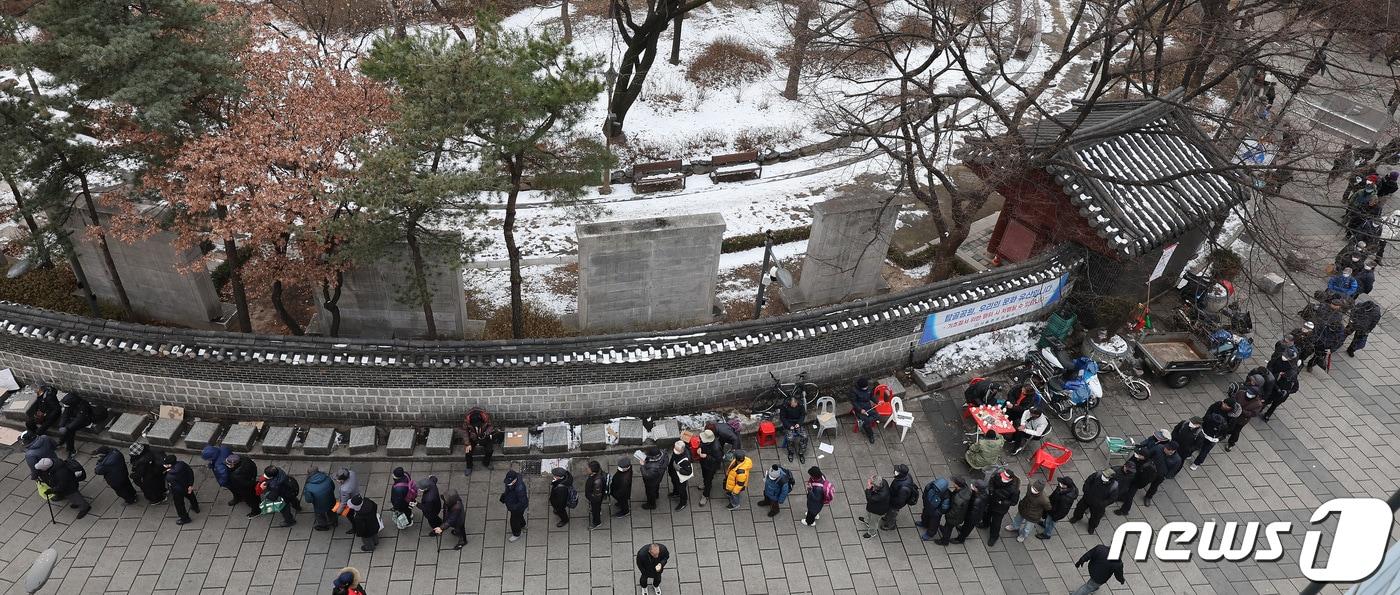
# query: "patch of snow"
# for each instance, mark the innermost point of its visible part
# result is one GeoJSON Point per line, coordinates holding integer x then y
{"type": "Point", "coordinates": [985, 350]}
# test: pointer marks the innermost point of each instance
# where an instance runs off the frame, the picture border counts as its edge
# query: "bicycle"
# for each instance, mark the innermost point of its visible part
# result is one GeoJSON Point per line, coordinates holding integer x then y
{"type": "Point", "coordinates": [780, 392]}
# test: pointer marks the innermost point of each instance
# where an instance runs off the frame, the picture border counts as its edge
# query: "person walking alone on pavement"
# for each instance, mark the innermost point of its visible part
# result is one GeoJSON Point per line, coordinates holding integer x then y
{"type": "Point", "coordinates": [1100, 569]}
{"type": "Point", "coordinates": [736, 478]}
{"type": "Point", "coordinates": [517, 500]}
{"type": "Point", "coordinates": [651, 560]}
{"type": "Point", "coordinates": [819, 494]}
{"type": "Point", "coordinates": [112, 467]}
{"type": "Point", "coordinates": [711, 458]}
{"type": "Point", "coordinates": [180, 480]}
{"type": "Point", "coordinates": [777, 484]}
{"type": "Point", "coordinates": [620, 486]}
{"type": "Point", "coordinates": [595, 490]}
{"type": "Point", "coordinates": [680, 471]}
{"type": "Point", "coordinates": [560, 484]}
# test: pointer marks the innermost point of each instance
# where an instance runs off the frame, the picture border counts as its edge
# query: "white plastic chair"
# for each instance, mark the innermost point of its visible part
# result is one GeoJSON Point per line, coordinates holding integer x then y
{"type": "Point", "coordinates": [900, 417]}
{"type": "Point", "coordinates": [826, 415]}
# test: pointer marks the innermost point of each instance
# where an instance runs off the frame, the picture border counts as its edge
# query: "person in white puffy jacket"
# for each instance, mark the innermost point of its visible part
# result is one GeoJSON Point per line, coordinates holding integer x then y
{"type": "Point", "coordinates": [1033, 425]}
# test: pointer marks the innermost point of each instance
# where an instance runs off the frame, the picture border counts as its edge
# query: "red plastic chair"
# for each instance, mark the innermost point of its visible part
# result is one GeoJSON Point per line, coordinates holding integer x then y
{"type": "Point", "coordinates": [883, 395]}
{"type": "Point", "coordinates": [1045, 458]}
{"type": "Point", "coordinates": [767, 434]}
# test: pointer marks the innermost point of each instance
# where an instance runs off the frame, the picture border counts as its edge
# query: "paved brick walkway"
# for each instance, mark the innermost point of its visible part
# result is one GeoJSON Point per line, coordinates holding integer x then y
{"type": "Point", "coordinates": [1336, 437]}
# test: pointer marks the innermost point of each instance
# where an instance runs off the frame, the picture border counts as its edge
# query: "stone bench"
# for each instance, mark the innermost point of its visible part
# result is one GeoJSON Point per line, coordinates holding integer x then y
{"type": "Point", "coordinates": [630, 432]}
{"type": "Point", "coordinates": [129, 426]}
{"type": "Point", "coordinates": [401, 442]}
{"type": "Point", "coordinates": [240, 437]}
{"type": "Point", "coordinates": [665, 433]}
{"type": "Point", "coordinates": [278, 440]}
{"type": "Point", "coordinates": [556, 438]}
{"type": "Point", "coordinates": [517, 441]}
{"type": "Point", "coordinates": [439, 441]}
{"type": "Point", "coordinates": [593, 437]}
{"type": "Point", "coordinates": [319, 441]}
{"type": "Point", "coordinates": [201, 434]}
{"type": "Point", "coordinates": [165, 431]}
{"type": "Point", "coordinates": [363, 439]}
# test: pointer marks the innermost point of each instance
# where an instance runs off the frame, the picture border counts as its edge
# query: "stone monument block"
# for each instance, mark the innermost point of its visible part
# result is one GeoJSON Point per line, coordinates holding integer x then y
{"type": "Point", "coordinates": [896, 387]}
{"type": "Point", "coordinates": [278, 440]}
{"type": "Point", "coordinates": [648, 273]}
{"type": "Point", "coordinates": [201, 434]}
{"type": "Point", "coordinates": [319, 441]}
{"type": "Point", "coordinates": [363, 439]}
{"type": "Point", "coordinates": [164, 432]}
{"type": "Point", "coordinates": [593, 437]}
{"type": "Point", "coordinates": [17, 405]}
{"type": "Point", "coordinates": [555, 439]}
{"type": "Point", "coordinates": [240, 437]}
{"type": "Point", "coordinates": [370, 305]}
{"type": "Point", "coordinates": [1271, 283]}
{"type": "Point", "coordinates": [666, 432]}
{"type": "Point", "coordinates": [845, 252]}
{"type": "Point", "coordinates": [400, 442]}
{"type": "Point", "coordinates": [630, 431]}
{"type": "Point", "coordinates": [517, 441]}
{"type": "Point", "coordinates": [128, 426]}
{"type": "Point", "coordinates": [151, 272]}
{"type": "Point", "coordinates": [439, 441]}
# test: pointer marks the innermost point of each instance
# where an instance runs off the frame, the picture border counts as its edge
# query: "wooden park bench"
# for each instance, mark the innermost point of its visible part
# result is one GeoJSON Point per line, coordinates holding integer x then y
{"type": "Point", "coordinates": [647, 177]}
{"type": "Point", "coordinates": [735, 166]}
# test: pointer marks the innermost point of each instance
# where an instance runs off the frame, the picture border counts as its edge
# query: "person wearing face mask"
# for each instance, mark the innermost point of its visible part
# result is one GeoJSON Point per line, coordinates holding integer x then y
{"type": "Point", "coordinates": [1343, 284]}
{"type": "Point", "coordinates": [517, 500]}
{"type": "Point", "coordinates": [1364, 318]}
{"type": "Point", "coordinates": [1331, 333]}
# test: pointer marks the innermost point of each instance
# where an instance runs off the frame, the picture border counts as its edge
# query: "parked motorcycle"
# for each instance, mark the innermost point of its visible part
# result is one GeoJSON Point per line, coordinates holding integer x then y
{"type": "Point", "coordinates": [1068, 399]}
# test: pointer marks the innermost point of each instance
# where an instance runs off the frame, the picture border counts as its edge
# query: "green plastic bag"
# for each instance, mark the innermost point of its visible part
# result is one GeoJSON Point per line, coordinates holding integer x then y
{"type": "Point", "coordinates": [273, 506]}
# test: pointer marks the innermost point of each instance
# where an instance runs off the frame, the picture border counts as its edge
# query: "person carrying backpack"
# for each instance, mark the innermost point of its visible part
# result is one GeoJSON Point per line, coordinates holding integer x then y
{"type": "Point", "coordinates": [777, 484]}
{"type": "Point", "coordinates": [562, 496]}
{"type": "Point", "coordinates": [903, 492]}
{"type": "Point", "coordinates": [62, 480]}
{"type": "Point", "coordinates": [402, 493]}
{"type": "Point", "coordinates": [935, 503]}
{"type": "Point", "coordinates": [820, 492]}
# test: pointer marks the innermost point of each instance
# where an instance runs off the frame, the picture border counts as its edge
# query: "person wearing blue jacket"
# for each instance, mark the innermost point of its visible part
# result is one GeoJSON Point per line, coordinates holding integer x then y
{"type": "Point", "coordinates": [319, 492]}
{"type": "Point", "coordinates": [516, 500]}
{"type": "Point", "coordinates": [111, 465]}
{"type": "Point", "coordinates": [936, 502]}
{"type": "Point", "coordinates": [1343, 284]}
{"type": "Point", "coordinates": [215, 457]}
{"type": "Point", "coordinates": [777, 484]}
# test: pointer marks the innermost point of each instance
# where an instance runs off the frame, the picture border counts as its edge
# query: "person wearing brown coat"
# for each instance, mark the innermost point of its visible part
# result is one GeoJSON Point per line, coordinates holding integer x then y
{"type": "Point", "coordinates": [1251, 405]}
{"type": "Point", "coordinates": [1030, 511]}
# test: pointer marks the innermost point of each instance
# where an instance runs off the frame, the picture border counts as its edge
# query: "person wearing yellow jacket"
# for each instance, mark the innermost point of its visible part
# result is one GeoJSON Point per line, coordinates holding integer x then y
{"type": "Point", "coordinates": [736, 478]}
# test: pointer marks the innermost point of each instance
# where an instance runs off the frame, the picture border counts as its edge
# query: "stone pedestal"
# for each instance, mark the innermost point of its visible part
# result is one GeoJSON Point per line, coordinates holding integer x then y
{"type": "Point", "coordinates": [896, 387]}
{"type": "Point", "coordinates": [593, 437]}
{"type": "Point", "coordinates": [128, 426]}
{"type": "Point", "coordinates": [648, 273]}
{"type": "Point", "coordinates": [319, 441]}
{"type": "Point", "coordinates": [630, 432]}
{"type": "Point", "coordinates": [439, 441]}
{"type": "Point", "coordinates": [240, 437]}
{"type": "Point", "coordinates": [555, 439]}
{"type": "Point", "coordinates": [665, 433]}
{"type": "Point", "coordinates": [400, 442]}
{"type": "Point", "coordinates": [517, 441]}
{"type": "Point", "coordinates": [278, 440]}
{"type": "Point", "coordinates": [16, 406]}
{"type": "Point", "coordinates": [164, 432]}
{"type": "Point", "coordinates": [846, 251]}
{"type": "Point", "coordinates": [363, 439]}
{"type": "Point", "coordinates": [201, 434]}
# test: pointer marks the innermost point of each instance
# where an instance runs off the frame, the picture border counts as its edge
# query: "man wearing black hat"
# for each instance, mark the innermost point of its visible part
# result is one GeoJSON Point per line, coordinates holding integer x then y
{"type": "Point", "coordinates": [77, 414]}
{"type": "Point", "coordinates": [560, 484]}
{"type": "Point", "coordinates": [863, 406]}
{"type": "Point", "coordinates": [1188, 437]}
{"type": "Point", "coordinates": [1169, 464]}
{"type": "Point", "coordinates": [63, 483]}
{"type": "Point", "coordinates": [180, 479]}
{"type": "Point", "coordinates": [1215, 425]}
{"type": "Point", "coordinates": [44, 411]}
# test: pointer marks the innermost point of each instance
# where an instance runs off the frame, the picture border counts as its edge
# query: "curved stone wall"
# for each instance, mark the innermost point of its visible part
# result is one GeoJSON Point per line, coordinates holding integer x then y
{"type": "Point", "coordinates": [304, 379]}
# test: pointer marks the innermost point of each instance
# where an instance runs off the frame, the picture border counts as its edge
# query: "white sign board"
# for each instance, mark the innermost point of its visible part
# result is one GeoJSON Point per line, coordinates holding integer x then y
{"type": "Point", "coordinates": [970, 317]}
{"type": "Point", "coordinates": [1162, 264]}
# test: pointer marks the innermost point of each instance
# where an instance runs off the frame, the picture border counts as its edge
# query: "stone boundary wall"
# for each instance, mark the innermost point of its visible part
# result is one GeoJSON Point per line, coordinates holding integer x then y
{"type": "Point", "coordinates": [233, 376]}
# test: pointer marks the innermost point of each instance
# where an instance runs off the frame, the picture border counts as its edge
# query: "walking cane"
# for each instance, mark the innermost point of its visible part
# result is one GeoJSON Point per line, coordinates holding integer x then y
{"type": "Point", "coordinates": [48, 501]}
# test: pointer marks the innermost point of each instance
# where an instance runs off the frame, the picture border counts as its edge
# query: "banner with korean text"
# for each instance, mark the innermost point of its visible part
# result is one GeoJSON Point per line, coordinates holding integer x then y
{"type": "Point", "coordinates": [970, 317]}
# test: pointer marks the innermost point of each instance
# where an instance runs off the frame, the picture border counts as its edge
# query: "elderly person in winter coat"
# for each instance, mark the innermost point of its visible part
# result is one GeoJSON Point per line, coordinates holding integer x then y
{"type": "Point", "coordinates": [777, 484]}
{"type": "Point", "coordinates": [680, 470]}
{"type": "Point", "coordinates": [1100, 489]}
{"type": "Point", "coordinates": [1061, 502]}
{"type": "Point", "coordinates": [36, 448]}
{"type": "Point", "coordinates": [736, 478]}
{"type": "Point", "coordinates": [560, 483]}
{"type": "Point", "coordinates": [365, 521]}
{"type": "Point", "coordinates": [1364, 318]}
{"type": "Point", "coordinates": [62, 482]}
{"type": "Point", "coordinates": [517, 500]}
{"type": "Point", "coordinates": [76, 415]}
{"type": "Point", "coordinates": [620, 487]}
{"type": "Point", "coordinates": [1002, 491]}
{"type": "Point", "coordinates": [936, 501]}
{"type": "Point", "coordinates": [863, 407]}
{"type": "Point", "coordinates": [819, 490]}
{"type": "Point", "coordinates": [959, 502]}
{"type": "Point", "coordinates": [243, 481]}
{"type": "Point", "coordinates": [278, 486]}
{"type": "Point", "coordinates": [179, 478]}
{"type": "Point", "coordinates": [877, 504]}
{"type": "Point", "coordinates": [455, 519]}
{"type": "Point", "coordinates": [147, 471]}
{"type": "Point", "coordinates": [1031, 511]}
{"type": "Point", "coordinates": [430, 500]}
{"type": "Point", "coordinates": [112, 467]}
{"type": "Point", "coordinates": [215, 456]}
{"type": "Point", "coordinates": [986, 451]}
{"type": "Point", "coordinates": [44, 411]}
{"type": "Point", "coordinates": [319, 492]}
{"type": "Point", "coordinates": [903, 492]}
{"type": "Point", "coordinates": [653, 471]}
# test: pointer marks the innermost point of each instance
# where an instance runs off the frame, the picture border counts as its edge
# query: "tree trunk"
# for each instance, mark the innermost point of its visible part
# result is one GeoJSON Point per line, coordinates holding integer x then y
{"type": "Point", "coordinates": [1214, 23]}
{"type": "Point", "coordinates": [81, 276]}
{"type": "Point", "coordinates": [282, 313]}
{"type": "Point", "coordinates": [45, 260]}
{"type": "Point", "coordinates": [567, 21]}
{"type": "Point", "coordinates": [801, 38]}
{"type": "Point", "coordinates": [676, 39]}
{"type": "Point", "coordinates": [514, 165]}
{"type": "Point", "coordinates": [330, 300]}
{"type": "Point", "coordinates": [636, 60]}
{"type": "Point", "coordinates": [396, 19]}
{"type": "Point", "coordinates": [235, 277]}
{"type": "Point", "coordinates": [946, 256]}
{"type": "Point", "coordinates": [420, 279]}
{"type": "Point", "coordinates": [107, 261]}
